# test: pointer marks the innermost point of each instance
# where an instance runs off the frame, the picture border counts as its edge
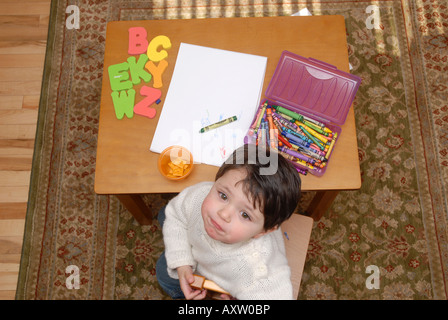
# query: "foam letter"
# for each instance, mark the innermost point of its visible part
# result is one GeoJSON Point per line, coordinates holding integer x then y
{"type": "Point", "coordinates": [119, 77]}
{"type": "Point", "coordinates": [124, 103]}
{"type": "Point", "coordinates": [143, 107]}
{"type": "Point", "coordinates": [155, 43]}
{"type": "Point", "coordinates": [136, 69]}
{"type": "Point", "coordinates": [138, 43]}
{"type": "Point", "coordinates": [157, 71]}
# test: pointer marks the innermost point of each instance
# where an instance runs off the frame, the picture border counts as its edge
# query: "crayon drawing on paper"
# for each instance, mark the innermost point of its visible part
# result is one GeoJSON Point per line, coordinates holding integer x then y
{"type": "Point", "coordinates": [209, 85]}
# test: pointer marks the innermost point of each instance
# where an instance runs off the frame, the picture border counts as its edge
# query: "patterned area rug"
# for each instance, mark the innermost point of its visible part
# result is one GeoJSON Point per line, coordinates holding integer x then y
{"type": "Point", "coordinates": [397, 221]}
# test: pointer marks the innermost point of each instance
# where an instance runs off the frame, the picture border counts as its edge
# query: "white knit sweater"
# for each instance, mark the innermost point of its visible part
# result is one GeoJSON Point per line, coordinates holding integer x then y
{"type": "Point", "coordinates": [254, 269]}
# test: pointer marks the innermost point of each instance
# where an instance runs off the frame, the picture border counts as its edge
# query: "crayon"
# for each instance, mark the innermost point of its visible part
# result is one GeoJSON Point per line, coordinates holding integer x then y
{"type": "Point", "coordinates": [286, 117]}
{"type": "Point", "coordinates": [254, 124]}
{"type": "Point", "coordinates": [267, 131]}
{"type": "Point", "coordinates": [295, 139]}
{"type": "Point", "coordinates": [298, 134]}
{"type": "Point", "coordinates": [277, 124]}
{"type": "Point", "coordinates": [317, 142]}
{"type": "Point", "coordinates": [312, 148]}
{"type": "Point", "coordinates": [262, 134]}
{"type": "Point", "coordinates": [312, 153]}
{"type": "Point", "coordinates": [284, 121]}
{"type": "Point", "coordinates": [286, 142]}
{"type": "Point", "coordinates": [273, 141]}
{"type": "Point", "coordinates": [320, 124]}
{"type": "Point", "coordinates": [315, 134]}
{"type": "Point", "coordinates": [305, 164]}
{"type": "Point", "coordinates": [261, 114]}
{"type": "Point", "coordinates": [331, 146]}
{"type": "Point", "coordinates": [318, 150]}
{"type": "Point", "coordinates": [296, 160]}
{"type": "Point", "coordinates": [288, 112]}
{"type": "Point", "coordinates": [328, 131]}
{"type": "Point", "coordinates": [316, 128]}
{"type": "Point", "coordinates": [302, 171]}
{"type": "Point", "coordinates": [298, 155]}
{"type": "Point", "coordinates": [218, 124]}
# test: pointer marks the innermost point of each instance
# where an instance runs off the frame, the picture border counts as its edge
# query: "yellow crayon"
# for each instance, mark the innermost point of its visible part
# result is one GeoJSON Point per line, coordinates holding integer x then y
{"type": "Point", "coordinates": [331, 146]}
{"type": "Point", "coordinates": [315, 127]}
{"type": "Point", "coordinates": [263, 108]}
{"type": "Point", "coordinates": [304, 163]}
{"type": "Point", "coordinates": [328, 131]}
{"type": "Point", "coordinates": [315, 134]}
{"type": "Point", "coordinates": [314, 139]}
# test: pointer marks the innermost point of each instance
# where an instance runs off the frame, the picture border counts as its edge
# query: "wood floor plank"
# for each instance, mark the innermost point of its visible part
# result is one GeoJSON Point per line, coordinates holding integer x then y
{"type": "Point", "coordinates": [8, 267]}
{"type": "Point", "coordinates": [16, 147]}
{"type": "Point", "coordinates": [24, 7]}
{"type": "Point", "coordinates": [14, 178]}
{"type": "Point", "coordinates": [15, 163]}
{"type": "Point", "coordinates": [15, 47]}
{"type": "Point", "coordinates": [10, 258]}
{"type": "Point", "coordinates": [20, 20]}
{"type": "Point", "coordinates": [20, 74]}
{"type": "Point", "coordinates": [22, 60]}
{"type": "Point", "coordinates": [12, 210]}
{"type": "Point", "coordinates": [14, 194]}
{"type": "Point", "coordinates": [21, 116]}
{"type": "Point", "coordinates": [10, 102]}
{"type": "Point", "coordinates": [8, 280]}
{"type": "Point", "coordinates": [24, 1]}
{"type": "Point", "coordinates": [18, 131]}
{"type": "Point", "coordinates": [7, 294]}
{"type": "Point", "coordinates": [11, 227]}
{"type": "Point", "coordinates": [11, 32]}
{"type": "Point", "coordinates": [31, 102]}
{"type": "Point", "coordinates": [27, 2]}
{"type": "Point", "coordinates": [20, 88]}
{"type": "Point", "coordinates": [11, 245]}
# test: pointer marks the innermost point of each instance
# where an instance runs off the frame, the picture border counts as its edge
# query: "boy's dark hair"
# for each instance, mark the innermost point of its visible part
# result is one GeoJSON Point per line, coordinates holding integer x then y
{"type": "Point", "coordinates": [276, 194]}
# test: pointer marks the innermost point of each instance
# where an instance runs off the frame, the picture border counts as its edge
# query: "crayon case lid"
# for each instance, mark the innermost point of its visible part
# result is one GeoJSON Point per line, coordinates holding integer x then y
{"type": "Point", "coordinates": [313, 87]}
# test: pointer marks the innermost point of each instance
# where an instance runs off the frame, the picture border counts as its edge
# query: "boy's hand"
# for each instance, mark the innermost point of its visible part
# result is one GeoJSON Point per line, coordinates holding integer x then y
{"type": "Point", "coordinates": [186, 277]}
{"type": "Point", "coordinates": [224, 296]}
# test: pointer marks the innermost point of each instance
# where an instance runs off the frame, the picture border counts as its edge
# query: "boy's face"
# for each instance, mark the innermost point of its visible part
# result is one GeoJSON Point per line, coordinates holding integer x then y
{"type": "Point", "coordinates": [228, 215]}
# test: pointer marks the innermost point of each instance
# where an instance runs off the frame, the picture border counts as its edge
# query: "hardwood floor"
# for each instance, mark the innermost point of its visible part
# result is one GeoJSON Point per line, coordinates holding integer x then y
{"type": "Point", "coordinates": [23, 35]}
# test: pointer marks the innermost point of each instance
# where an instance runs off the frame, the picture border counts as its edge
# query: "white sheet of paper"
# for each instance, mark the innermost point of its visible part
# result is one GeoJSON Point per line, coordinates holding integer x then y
{"type": "Point", "coordinates": [209, 85]}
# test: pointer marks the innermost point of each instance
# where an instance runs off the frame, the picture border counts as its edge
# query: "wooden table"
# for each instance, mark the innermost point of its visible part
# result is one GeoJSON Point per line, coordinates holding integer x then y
{"type": "Point", "coordinates": [126, 168]}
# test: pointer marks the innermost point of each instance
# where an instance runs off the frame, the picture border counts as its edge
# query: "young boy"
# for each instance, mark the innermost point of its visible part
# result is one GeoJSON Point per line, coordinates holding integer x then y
{"type": "Point", "coordinates": [228, 231]}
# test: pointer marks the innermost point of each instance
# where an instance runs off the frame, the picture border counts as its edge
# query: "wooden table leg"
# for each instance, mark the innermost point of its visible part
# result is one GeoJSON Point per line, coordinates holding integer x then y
{"type": "Point", "coordinates": [137, 207]}
{"type": "Point", "coordinates": [320, 203]}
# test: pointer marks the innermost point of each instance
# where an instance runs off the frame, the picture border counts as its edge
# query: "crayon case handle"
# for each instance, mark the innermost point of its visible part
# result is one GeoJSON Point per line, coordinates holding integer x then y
{"type": "Point", "coordinates": [322, 63]}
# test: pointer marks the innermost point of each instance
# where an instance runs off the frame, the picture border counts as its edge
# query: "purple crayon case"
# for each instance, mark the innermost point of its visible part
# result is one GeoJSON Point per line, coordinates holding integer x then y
{"type": "Point", "coordinates": [315, 89]}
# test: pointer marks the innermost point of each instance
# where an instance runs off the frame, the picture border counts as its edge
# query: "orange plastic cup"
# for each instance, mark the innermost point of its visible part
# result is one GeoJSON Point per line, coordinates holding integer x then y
{"type": "Point", "coordinates": [171, 155]}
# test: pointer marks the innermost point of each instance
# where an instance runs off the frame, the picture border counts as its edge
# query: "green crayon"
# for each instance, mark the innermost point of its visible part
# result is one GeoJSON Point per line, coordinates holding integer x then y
{"type": "Point", "coordinates": [218, 124]}
{"type": "Point", "coordinates": [290, 113]}
{"type": "Point", "coordinates": [309, 135]}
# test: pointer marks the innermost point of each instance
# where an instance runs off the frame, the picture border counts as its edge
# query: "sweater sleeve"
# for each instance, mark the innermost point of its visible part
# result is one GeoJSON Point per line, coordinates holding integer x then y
{"type": "Point", "coordinates": [178, 250]}
{"type": "Point", "coordinates": [275, 287]}
{"type": "Point", "coordinates": [270, 276]}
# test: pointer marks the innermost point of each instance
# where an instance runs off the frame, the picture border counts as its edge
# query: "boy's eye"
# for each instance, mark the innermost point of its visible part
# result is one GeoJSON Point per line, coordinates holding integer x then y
{"type": "Point", "coordinates": [223, 196]}
{"type": "Point", "coordinates": [245, 215]}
